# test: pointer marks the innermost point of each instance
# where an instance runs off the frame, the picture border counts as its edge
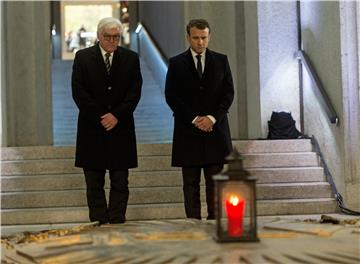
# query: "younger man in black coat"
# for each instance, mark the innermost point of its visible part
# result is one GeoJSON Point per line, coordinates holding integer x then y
{"type": "Point", "coordinates": [199, 90]}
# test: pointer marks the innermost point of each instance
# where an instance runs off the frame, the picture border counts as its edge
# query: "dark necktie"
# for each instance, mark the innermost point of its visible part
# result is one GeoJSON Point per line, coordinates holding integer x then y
{"type": "Point", "coordinates": [107, 62]}
{"type": "Point", "coordinates": [199, 66]}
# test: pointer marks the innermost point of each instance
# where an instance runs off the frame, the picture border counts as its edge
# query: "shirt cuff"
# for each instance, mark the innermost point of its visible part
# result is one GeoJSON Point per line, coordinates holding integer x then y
{"type": "Point", "coordinates": [193, 122]}
{"type": "Point", "coordinates": [211, 118]}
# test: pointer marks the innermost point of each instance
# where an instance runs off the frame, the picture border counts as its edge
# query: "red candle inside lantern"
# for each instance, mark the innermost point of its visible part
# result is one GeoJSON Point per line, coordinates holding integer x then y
{"type": "Point", "coordinates": [235, 208]}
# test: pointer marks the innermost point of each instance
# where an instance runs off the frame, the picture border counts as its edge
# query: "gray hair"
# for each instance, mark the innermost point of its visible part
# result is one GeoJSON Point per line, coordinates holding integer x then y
{"type": "Point", "coordinates": [109, 22]}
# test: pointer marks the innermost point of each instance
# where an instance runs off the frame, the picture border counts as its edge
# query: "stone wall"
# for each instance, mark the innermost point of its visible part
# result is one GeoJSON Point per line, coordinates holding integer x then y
{"type": "Point", "coordinates": [26, 90]}
{"type": "Point", "coordinates": [329, 38]}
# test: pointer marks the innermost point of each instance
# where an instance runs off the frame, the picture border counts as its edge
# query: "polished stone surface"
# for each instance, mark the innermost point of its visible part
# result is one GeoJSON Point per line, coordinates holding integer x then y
{"type": "Point", "coordinates": [190, 241]}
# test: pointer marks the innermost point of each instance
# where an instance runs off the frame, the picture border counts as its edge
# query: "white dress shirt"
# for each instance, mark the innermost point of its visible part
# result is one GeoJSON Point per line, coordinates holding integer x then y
{"type": "Point", "coordinates": [103, 52]}
{"type": "Point", "coordinates": [194, 54]}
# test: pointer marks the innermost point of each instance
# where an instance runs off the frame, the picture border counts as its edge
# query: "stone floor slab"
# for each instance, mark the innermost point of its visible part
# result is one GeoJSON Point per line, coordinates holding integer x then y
{"type": "Point", "coordinates": [187, 241]}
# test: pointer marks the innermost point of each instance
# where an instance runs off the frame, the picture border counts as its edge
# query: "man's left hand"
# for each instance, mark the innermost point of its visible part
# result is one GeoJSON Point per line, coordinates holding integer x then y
{"type": "Point", "coordinates": [204, 123]}
{"type": "Point", "coordinates": [108, 121]}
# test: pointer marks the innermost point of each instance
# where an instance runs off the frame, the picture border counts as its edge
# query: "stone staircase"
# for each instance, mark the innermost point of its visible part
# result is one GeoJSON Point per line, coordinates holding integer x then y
{"type": "Point", "coordinates": [40, 185]}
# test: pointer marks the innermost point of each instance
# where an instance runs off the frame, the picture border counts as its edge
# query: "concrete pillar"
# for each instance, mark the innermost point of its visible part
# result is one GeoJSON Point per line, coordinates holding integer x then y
{"type": "Point", "coordinates": [350, 69]}
{"type": "Point", "coordinates": [3, 124]}
{"type": "Point", "coordinates": [26, 90]}
{"type": "Point", "coordinates": [57, 39]}
{"type": "Point", "coordinates": [278, 44]}
{"type": "Point", "coordinates": [133, 21]}
{"type": "Point", "coordinates": [252, 70]}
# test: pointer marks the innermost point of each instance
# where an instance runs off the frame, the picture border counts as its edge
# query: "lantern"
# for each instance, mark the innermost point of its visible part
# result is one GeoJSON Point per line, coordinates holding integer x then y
{"type": "Point", "coordinates": [235, 202]}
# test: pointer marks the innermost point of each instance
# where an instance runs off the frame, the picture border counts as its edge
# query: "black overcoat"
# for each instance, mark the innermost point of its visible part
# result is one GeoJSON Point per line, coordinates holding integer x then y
{"type": "Point", "coordinates": [189, 96]}
{"type": "Point", "coordinates": [97, 93]}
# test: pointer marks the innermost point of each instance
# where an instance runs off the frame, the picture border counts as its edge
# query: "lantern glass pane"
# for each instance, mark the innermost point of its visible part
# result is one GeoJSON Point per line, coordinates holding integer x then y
{"type": "Point", "coordinates": [237, 208]}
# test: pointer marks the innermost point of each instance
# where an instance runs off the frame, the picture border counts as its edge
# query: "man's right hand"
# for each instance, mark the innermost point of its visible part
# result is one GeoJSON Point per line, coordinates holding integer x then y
{"type": "Point", "coordinates": [108, 121]}
{"type": "Point", "coordinates": [204, 123]}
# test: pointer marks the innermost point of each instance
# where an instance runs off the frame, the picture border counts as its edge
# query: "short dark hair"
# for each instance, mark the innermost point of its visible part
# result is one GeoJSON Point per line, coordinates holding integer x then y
{"type": "Point", "coordinates": [198, 23]}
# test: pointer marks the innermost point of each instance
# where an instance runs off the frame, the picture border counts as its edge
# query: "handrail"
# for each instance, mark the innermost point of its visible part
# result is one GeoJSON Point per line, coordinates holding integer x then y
{"type": "Point", "coordinates": [140, 27]}
{"type": "Point", "coordinates": [151, 53]}
{"type": "Point", "coordinates": [329, 109]}
{"type": "Point", "coordinates": [339, 199]}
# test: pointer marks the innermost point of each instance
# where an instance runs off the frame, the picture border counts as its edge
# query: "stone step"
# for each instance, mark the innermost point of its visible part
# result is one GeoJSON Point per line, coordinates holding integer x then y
{"type": "Point", "coordinates": [68, 152]}
{"type": "Point", "coordinates": [159, 163]}
{"type": "Point", "coordinates": [37, 182]}
{"type": "Point", "coordinates": [273, 146]}
{"type": "Point", "coordinates": [63, 215]}
{"type": "Point", "coordinates": [42, 184]}
{"type": "Point", "coordinates": [243, 146]}
{"type": "Point", "coordinates": [77, 181]}
{"type": "Point", "coordinates": [156, 195]}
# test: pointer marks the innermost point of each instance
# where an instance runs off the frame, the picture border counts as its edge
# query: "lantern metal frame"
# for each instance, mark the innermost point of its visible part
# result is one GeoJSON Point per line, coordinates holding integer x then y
{"type": "Point", "coordinates": [235, 173]}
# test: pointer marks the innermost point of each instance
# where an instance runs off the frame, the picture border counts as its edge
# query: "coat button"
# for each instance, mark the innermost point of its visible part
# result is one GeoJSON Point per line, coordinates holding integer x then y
{"type": "Point", "coordinates": [109, 107]}
{"type": "Point", "coordinates": [109, 88]}
{"type": "Point", "coordinates": [201, 87]}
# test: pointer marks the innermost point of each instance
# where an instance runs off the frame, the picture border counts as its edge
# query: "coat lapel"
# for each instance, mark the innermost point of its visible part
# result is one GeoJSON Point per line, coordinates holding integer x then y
{"type": "Point", "coordinates": [208, 59]}
{"type": "Point", "coordinates": [189, 62]}
{"type": "Point", "coordinates": [99, 59]}
{"type": "Point", "coordinates": [118, 60]}
{"type": "Point", "coordinates": [116, 63]}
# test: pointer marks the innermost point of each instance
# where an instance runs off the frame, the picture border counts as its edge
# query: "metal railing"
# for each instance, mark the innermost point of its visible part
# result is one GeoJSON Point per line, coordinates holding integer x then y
{"type": "Point", "coordinates": [326, 103]}
{"type": "Point", "coordinates": [152, 54]}
{"type": "Point", "coordinates": [338, 197]}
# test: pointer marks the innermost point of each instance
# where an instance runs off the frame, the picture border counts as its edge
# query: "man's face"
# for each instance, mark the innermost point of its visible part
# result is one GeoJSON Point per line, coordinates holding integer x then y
{"type": "Point", "coordinates": [198, 39]}
{"type": "Point", "coordinates": [109, 39]}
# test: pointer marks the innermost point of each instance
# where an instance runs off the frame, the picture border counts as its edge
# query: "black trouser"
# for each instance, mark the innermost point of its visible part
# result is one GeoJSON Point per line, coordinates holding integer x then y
{"type": "Point", "coordinates": [119, 195]}
{"type": "Point", "coordinates": [191, 188]}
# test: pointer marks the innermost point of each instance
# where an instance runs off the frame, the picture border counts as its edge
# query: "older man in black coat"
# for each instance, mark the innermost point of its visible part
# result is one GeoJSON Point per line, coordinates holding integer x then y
{"type": "Point", "coordinates": [199, 90]}
{"type": "Point", "coordinates": [106, 87]}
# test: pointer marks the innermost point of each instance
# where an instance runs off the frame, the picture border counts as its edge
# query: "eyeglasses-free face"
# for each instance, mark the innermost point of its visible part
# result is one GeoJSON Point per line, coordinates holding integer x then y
{"type": "Point", "coordinates": [198, 39]}
{"type": "Point", "coordinates": [109, 39]}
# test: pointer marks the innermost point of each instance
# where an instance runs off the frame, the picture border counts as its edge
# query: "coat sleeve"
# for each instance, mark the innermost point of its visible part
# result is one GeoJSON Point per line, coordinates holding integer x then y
{"type": "Point", "coordinates": [132, 97]}
{"type": "Point", "coordinates": [83, 99]}
{"type": "Point", "coordinates": [177, 105]}
{"type": "Point", "coordinates": [227, 93]}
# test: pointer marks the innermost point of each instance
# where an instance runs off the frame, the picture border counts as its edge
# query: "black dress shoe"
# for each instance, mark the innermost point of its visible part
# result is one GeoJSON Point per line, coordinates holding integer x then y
{"type": "Point", "coordinates": [194, 217]}
{"type": "Point", "coordinates": [119, 221]}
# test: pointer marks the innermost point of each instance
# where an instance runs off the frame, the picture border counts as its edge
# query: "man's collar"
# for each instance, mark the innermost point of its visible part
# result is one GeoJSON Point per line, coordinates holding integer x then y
{"type": "Point", "coordinates": [193, 53]}
{"type": "Point", "coordinates": [103, 52]}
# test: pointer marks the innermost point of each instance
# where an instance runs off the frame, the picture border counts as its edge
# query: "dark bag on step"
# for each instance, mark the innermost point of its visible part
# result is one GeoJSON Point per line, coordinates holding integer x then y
{"type": "Point", "coordinates": [282, 126]}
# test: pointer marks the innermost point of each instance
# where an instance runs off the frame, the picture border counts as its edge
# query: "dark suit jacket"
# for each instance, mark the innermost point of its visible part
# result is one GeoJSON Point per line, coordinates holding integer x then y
{"type": "Point", "coordinates": [189, 96]}
{"type": "Point", "coordinates": [97, 93]}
